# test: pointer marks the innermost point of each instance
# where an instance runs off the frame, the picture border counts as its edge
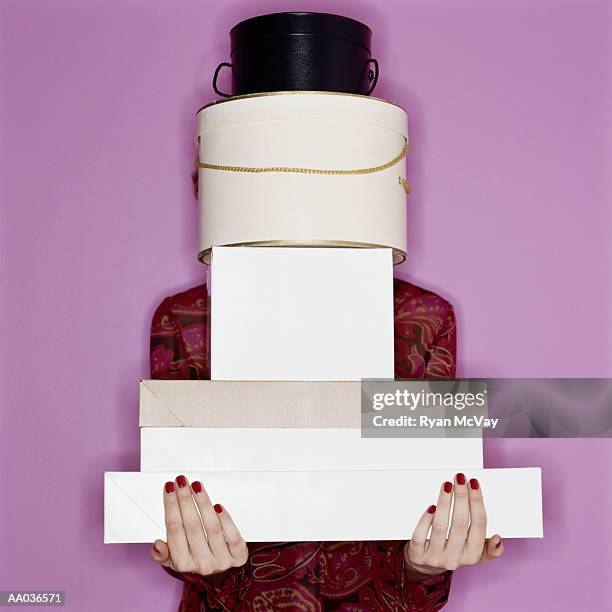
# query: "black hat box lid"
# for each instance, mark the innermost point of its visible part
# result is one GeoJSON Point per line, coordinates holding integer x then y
{"type": "Point", "coordinates": [300, 52]}
{"type": "Point", "coordinates": [288, 24]}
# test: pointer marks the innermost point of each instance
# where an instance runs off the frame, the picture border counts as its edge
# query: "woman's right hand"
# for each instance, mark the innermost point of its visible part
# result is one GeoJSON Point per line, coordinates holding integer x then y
{"type": "Point", "coordinates": [204, 546]}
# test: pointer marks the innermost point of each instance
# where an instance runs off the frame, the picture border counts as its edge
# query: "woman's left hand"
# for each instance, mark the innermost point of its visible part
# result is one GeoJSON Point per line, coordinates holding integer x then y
{"type": "Point", "coordinates": [466, 543]}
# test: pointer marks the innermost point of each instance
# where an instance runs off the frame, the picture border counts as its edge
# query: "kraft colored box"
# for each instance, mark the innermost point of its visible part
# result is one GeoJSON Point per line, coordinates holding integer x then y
{"type": "Point", "coordinates": [296, 506]}
{"type": "Point", "coordinates": [206, 403]}
{"type": "Point", "coordinates": [282, 313]}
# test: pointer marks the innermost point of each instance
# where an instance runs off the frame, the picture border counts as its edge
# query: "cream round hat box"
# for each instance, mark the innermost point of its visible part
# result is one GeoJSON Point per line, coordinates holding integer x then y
{"type": "Point", "coordinates": [302, 169]}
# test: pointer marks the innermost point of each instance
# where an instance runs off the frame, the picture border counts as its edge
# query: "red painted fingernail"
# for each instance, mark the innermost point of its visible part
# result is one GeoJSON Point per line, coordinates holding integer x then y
{"type": "Point", "coordinates": [431, 509]}
{"type": "Point", "coordinates": [498, 544]}
{"type": "Point", "coordinates": [169, 487]}
{"type": "Point", "coordinates": [196, 486]}
{"type": "Point", "coordinates": [218, 508]}
{"type": "Point", "coordinates": [448, 487]}
{"type": "Point", "coordinates": [181, 481]}
{"type": "Point", "coordinates": [460, 478]}
{"type": "Point", "coordinates": [474, 483]}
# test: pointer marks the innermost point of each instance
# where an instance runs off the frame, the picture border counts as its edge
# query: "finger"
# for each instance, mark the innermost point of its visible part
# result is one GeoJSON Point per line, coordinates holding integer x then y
{"type": "Point", "coordinates": [418, 540]}
{"type": "Point", "coordinates": [160, 552]}
{"type": "Point", "coordinates": [180, 555]}
{"type": "Point", "coordinates": [460, 520]}
{"type": "Point", "coordinates": [192, 523]}
{"type": "Point", "coordinates": [478, 524]}
{"type": "Point", "coordinates": [212, 526]}
{"type": "Point", "coordinates": [194, 182]}
{"type": "Point", "coordinates": [235, 542]}
{"type": "Point", "coordinates": [494, 548]}
{"type": "Point", "coordinates": [439, 527]}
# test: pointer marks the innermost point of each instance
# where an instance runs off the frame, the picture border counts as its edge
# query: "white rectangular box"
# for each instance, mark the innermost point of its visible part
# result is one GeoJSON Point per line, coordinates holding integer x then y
{"type": "Point", "coordinates": [280, 313]}
{"type": "Point", "coordinates": [181, 449]}
{"type": "Point", "coordinates": [322, 505]}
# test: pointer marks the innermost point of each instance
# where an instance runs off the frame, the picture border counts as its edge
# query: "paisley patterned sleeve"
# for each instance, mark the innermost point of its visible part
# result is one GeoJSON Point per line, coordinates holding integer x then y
{"type": "Point", "coordinates": [443, 351]}
{"type": "Point", "coordinates": [402, 588]}
{"type": "Point", "coordinates": [165, 354]}
{"type": "Point", "coordinates": [179, 337]}
{"type": "Point", "coordinates": [425, 593]}
{"type": "Point", "coordinates": [215, 592]}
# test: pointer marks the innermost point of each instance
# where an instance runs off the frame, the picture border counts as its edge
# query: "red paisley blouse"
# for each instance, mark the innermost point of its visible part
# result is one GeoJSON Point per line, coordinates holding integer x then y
{"type": "Point", "coordinates": [313, 576]}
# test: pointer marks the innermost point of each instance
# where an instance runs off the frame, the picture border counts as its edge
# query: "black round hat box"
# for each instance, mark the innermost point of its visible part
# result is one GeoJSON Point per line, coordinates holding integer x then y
{"type": "Point", "coordinates": [300, 51]}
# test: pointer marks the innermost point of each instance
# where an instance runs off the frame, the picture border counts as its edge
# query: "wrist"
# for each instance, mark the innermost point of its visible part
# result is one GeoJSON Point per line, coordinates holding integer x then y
{"type": "Point", "coordinates": [416, 573]}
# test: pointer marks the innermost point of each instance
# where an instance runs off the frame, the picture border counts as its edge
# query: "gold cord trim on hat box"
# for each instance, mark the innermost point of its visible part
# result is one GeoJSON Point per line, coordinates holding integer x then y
{"type": "Point", "coordinates": [319, 171]}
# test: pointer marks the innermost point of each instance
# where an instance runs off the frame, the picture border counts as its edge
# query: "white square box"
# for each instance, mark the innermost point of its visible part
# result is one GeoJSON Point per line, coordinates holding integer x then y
{"type": "Point", "coordinates": [281, 313]}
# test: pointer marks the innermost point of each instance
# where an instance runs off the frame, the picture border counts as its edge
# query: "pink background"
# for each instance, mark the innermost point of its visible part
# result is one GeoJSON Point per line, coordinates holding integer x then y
{"type": "Point", "coordinates": [509, 103]}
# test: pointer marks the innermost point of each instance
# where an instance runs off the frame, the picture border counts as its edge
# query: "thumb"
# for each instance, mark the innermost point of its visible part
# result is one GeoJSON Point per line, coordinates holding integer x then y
{"type": "Point", "coordinates": [494, 547]}
{"type": "Point", "coordinates": [160, 552]}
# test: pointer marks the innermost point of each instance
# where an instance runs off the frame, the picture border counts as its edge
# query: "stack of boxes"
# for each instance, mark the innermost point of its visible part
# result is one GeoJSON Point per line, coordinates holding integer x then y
{"type": "Point", "coordinates": [302, 218]}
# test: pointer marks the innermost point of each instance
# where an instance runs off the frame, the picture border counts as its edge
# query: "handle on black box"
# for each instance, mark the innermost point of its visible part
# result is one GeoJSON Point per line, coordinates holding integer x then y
{"type": "Point", "coordinates": [216, 75]}
{"type": "Point", "coordinates": [372, 75]}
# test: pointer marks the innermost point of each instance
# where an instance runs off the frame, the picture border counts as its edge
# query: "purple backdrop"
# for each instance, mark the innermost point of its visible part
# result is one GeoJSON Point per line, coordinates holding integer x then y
{"type": "Point", "coordinates": [509, 103]}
